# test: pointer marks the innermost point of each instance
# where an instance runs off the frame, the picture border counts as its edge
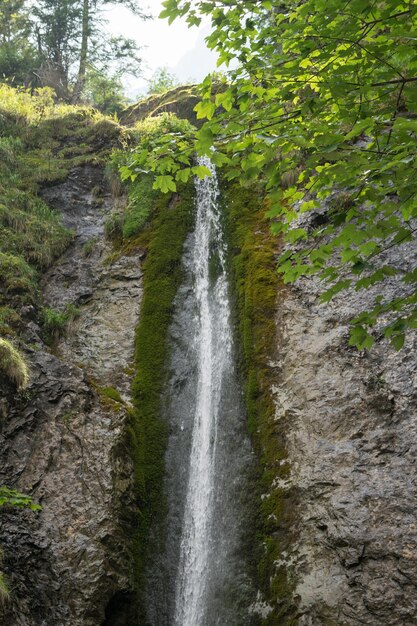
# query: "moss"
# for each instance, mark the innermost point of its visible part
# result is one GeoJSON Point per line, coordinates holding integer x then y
{"type": "Point", "coordinates": [162, 276]}
{"type": "Point", "coordinates": [13, 365]}
{"type": "Point", "coordinates": [109, 396]}
{"type": "Point", "coordinates": [141, 203]}
{"type": "Point", "coordinates": [112, 393]}
{"type": "Point", "coordinates": [253, 251]}
{"type": "Point", "coordinates": [179, 100]}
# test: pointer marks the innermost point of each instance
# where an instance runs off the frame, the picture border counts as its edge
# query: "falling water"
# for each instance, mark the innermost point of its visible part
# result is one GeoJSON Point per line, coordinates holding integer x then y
{"type": "Point", "coordinates": [201, 577]}
{"type": "Point", "coordinates": [214, 354]}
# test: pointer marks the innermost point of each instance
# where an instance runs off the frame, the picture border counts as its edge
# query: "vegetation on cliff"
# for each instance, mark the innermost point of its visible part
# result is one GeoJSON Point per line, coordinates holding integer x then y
{"type": "Point", "coordinates": [323, 97]}
{"type": "Point", "coordinates": [257, 289]}
{"type": "Point", "coordinates": [150, 221]}
{"type": "Point", "coordinates": [40, 142]}
{"type": "Point", "coordinates": [13, 364]}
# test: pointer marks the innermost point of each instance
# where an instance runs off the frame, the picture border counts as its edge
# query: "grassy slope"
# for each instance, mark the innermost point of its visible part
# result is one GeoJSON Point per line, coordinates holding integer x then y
{"type": "Point", "coordinates": [40, 142]}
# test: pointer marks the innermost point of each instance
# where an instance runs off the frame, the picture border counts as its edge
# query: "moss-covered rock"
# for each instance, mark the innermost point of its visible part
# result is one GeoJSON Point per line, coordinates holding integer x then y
{"type": "Point", "coordinates": [253, 251]}
{"type": "Point", "coordinates": [179, 100]}
{"type": "Point", "coordinates": [164, 239]}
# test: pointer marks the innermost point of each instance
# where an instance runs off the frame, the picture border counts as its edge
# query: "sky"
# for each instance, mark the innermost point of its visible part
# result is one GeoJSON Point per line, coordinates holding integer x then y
{"type": "Point", "coordinates": [179, 48]}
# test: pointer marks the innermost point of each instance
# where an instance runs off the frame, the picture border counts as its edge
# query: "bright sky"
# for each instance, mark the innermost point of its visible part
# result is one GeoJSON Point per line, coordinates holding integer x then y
{"type": "Point", "coordinates": [179, 48]}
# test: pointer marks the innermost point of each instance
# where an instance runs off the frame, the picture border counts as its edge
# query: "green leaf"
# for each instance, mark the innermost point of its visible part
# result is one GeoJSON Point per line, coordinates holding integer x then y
{"type": "Point", "coordinates": [360, 338]}
{"type": "Point", "coordinates": [295, 234]}
{"type": "Point", "coordinates": [205, 139]}
{"type": "Point", "coordinates": [225, 100]}
{"type": "Point", "coordinates": [205, 108]}
{"type": "Point", "coordinates": [201, 171]}
{"type": "Point", "coordinates": [164, 183]}
{"type": "Point", "coordinates": [397, 341]}
{"type": "Point", "coordinates": [327, 295]}
{"type": "Point", "coordinates": [183, 175]}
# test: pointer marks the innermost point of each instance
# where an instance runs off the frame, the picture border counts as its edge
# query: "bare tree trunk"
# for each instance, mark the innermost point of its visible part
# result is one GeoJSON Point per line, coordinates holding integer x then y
{"type": "Point", "coordinates": [79, 85]}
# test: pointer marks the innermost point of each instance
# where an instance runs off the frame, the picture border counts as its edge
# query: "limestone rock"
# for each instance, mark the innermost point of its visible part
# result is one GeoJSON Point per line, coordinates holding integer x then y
{"type": "Point", "coordinates": [350, 419]}
{"type": "Point", "coordinates": [63, 444]}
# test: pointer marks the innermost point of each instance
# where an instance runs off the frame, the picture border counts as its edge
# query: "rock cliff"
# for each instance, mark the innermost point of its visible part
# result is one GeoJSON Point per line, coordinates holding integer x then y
{"type": "Point", "coordinates": [351, 433]}
{"type": "Point", "coordinates": [334, 427]}
{"type": "Point", "coordinates": [64, 439]}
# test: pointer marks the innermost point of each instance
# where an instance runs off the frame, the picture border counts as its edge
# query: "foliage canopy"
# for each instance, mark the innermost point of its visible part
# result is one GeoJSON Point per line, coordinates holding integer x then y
{"type": "Point", "coordinates": [323, 103]}
{"type": "Point", "coordinates": [62, 44]}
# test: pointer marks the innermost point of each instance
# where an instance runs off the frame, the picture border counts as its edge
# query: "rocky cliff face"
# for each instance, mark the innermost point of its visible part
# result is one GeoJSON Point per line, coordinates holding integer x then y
{"type": "Point", "coordinates": [64, 439]}
{"type": "Point", "coordinates": [348, 420]}
{"type": "Point", "coordinates": [351, 433]}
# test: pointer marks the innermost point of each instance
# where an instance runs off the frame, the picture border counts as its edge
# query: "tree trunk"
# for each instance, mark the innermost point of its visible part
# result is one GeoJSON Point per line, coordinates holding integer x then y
{"type": "Point", "coordinates": [79, 85]}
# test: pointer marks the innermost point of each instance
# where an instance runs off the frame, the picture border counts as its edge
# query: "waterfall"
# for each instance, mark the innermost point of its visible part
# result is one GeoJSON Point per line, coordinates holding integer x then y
{"type": "Point", "coordinates": [213, 341]}
{"type": "Point", "coordinates": [199, 575]}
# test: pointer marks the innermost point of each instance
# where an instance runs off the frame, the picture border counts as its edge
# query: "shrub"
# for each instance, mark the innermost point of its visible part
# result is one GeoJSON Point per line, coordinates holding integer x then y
{"type": "Point", "coordinates": [13, 364]}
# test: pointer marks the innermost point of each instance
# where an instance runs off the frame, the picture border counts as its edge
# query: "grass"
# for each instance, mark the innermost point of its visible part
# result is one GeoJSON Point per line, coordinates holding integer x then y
{"type": "Point", "coordinates": [13, 365]}
{"type": "Point", "coordinates": [17, 279]}
{"type": "Point", "coordinates": [112, 393]}
{"type": "Point", "coordinates": [57, 324]}
{"type": "Point", "coordinates": [89, 247]}
{"type": "Point", "coordinates": [10, 320]}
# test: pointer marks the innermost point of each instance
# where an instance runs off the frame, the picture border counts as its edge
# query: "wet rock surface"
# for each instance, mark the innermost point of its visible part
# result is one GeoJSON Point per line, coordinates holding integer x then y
{"type": "Point", "coordinates": [352, 441]}
{"type": "Point", "coordinates": [64, 441]}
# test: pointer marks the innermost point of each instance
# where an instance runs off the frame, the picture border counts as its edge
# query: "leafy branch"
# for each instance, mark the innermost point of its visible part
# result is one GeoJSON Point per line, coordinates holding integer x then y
{"type": "Point", "coordinates": [321, 105]}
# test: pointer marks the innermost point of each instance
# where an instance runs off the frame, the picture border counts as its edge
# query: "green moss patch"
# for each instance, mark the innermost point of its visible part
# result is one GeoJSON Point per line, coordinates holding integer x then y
{"type": "Point", "coordinates": [253, 251]}
{"type": "Point", "coordinates": [162, 271]}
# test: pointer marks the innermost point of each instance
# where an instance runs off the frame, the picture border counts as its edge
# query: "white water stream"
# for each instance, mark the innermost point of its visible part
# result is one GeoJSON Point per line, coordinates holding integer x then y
{"type": "Point", "coordinates": [213, 344]}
